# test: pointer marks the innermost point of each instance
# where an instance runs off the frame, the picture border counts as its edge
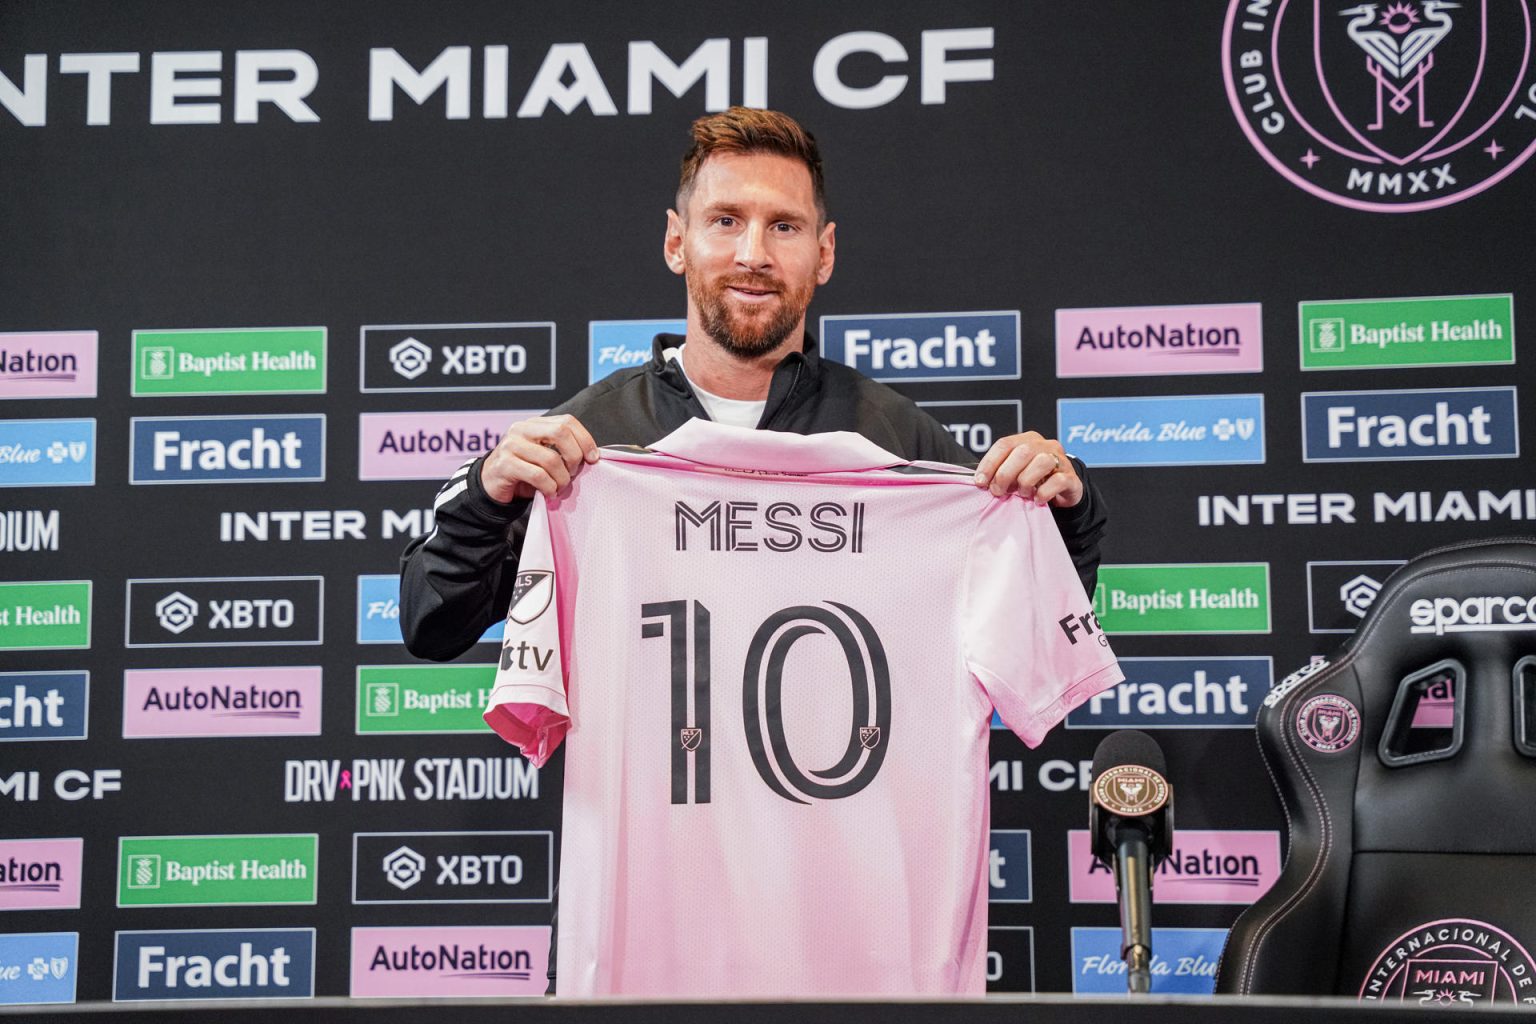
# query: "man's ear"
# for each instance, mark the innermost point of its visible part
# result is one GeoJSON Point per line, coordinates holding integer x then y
{"type": "Point", "coordinates": [672, 245]}
{"type": "Point", "coordinates": [827, 242]}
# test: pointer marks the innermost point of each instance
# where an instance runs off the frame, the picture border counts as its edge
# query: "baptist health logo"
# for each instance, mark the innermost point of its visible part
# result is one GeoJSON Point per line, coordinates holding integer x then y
{"type": "Point", "coordinates": [229, 361]}
{"type": "Point", "coordinates": [1389, 107]}
{"type": "Point", "coordinates": [907, 347]}
{"type": "Point", "coordinates": [1448, 330]}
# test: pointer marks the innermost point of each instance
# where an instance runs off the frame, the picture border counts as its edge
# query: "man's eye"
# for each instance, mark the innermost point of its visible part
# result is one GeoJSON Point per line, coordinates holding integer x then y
{"type": "Point", "coordinates": [783, 228]}
{"type": "Point", "coordinates": [726, 221]}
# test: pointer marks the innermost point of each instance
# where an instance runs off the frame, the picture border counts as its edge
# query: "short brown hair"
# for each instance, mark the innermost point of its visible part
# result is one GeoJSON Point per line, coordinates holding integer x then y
{"type": "Point", "coordinates": [747, 130]}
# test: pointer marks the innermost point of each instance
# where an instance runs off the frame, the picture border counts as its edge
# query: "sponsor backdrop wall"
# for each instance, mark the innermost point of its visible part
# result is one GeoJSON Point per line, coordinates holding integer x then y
{"type": "Point", "coordinates": [270, 272]}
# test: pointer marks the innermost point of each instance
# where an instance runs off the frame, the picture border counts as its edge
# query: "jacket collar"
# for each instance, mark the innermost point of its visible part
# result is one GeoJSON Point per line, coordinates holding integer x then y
{"type": "Point", "coordinates": [797, 375]}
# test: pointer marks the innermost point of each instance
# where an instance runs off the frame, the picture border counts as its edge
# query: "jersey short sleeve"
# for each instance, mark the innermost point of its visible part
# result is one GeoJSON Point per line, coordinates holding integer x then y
{"type": "Point", "coordinates": [1030, 634]}
{"type": "Point", "coordinates": [527, 705]}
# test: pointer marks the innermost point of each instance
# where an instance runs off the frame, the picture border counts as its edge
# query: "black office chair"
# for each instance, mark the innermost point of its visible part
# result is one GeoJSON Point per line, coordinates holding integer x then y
{"type": "Point", "coordinates": [1406, 764]}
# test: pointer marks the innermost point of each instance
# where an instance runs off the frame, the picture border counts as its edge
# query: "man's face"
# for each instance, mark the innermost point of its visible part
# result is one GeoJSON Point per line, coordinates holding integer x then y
{"type": "Point", "coordinates": [751, 248]}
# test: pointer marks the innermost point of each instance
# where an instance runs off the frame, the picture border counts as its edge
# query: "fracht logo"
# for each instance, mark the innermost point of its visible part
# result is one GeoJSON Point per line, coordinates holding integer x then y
{"type": "Point", "coordinates": [1387, 426]}
{"type": "Point", "coordinates": [897, 347]}
{"type": "Point", "coordinates": [43, 706]}
{"type": "Point", "coordinates": [227, 449]}
{"type": "Point", "coordinates": [219, 963]}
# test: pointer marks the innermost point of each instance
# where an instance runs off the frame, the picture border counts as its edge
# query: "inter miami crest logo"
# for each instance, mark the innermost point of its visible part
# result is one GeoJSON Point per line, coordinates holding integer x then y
{"type": "Point", "coordinates": [1394, 105]}
{"type": "Point", "coordinates": [1328, 723]}
{"type": "Point", "coordinates": [1451, 962]}
{"type": "Point", "coordinates": [1130, 790]}
{"type": "Point", "coordinates": [531, 595]}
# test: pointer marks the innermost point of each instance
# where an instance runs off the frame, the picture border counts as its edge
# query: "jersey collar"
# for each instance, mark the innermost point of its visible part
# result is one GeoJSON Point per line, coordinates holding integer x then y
{"type": "Point", "coordinates": [717, 444]}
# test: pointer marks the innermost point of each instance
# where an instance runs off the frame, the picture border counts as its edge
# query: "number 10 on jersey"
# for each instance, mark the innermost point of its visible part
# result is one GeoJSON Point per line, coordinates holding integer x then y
{"type": "Point", "coordinates": [685, 624]}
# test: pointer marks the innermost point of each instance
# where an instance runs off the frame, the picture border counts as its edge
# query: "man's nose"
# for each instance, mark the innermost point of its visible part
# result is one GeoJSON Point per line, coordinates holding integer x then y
{"type": "Point", "coordinates": [752, 248]}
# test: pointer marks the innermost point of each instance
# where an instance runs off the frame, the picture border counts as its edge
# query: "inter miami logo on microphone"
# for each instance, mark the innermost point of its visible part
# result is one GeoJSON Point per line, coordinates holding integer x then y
{"type": "Point", "coordinates": [1393, 105]}
{"type": "Point", "coordinates": [1130, 790]}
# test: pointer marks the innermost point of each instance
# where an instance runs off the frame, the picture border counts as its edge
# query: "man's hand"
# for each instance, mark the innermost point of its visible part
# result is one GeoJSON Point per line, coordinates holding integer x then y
{"type": "Point", "coordinates": [1035, 466]}
{"type": "Point", "coordinates": [539, 454]}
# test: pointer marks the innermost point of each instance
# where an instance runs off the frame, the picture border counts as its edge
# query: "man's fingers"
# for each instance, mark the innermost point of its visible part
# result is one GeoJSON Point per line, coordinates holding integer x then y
{"type": "Point", "coordinates": [583, 439]}
{"type": "Point", "coordinates": [541, 465]}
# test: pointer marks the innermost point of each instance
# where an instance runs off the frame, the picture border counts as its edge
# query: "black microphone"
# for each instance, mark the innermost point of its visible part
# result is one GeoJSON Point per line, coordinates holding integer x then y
{"type": "Point", "coordinates": [1131, 818]}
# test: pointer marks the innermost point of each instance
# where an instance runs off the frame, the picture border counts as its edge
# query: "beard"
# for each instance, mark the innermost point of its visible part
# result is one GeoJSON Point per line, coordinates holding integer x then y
{"type": "Point", "coordinates": [755, 330]}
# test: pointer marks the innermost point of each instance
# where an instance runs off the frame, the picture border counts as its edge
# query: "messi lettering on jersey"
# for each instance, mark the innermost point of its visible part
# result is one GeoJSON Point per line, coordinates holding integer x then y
{"type": "Point", "coordinates": [782, 526]}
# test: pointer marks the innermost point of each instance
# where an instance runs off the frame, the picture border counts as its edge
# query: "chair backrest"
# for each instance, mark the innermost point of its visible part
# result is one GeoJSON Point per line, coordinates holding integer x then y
{"type": "Point", "coordinates": [1406, 764]}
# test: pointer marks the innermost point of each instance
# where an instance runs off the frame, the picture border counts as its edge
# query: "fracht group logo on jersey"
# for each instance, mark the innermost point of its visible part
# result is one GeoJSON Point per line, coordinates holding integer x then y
{"type": "Point", "coordinates": [1385, 426]}
{"type": "Point", "coordinates": [1451, 330]}
{"type": "Point", "coordinates": [619, 344]}
{"type": "Point", "coordinates": [1138, 341]}
{"type": "Point", "coordinates": [48, 364]}
{"type": "Point", "coordinates": [227, 449]}
{"type": "Point", "coordinates": [229, 361]}
{"type": "Point", "coordinates": [47, 453]}
{"type": "Point", "coordinates": [906, 347]}
{"type": "Point", "coordinates": [1390, 107]}
{"type": "Point", "coordinates": [216, 963]}
{"type": "Point", "coordinates": [1187, 430]}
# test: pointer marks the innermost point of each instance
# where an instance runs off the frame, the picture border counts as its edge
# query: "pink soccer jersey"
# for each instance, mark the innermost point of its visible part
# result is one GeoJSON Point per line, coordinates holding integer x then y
{"type": "Point", "coordinates": [773, 660]}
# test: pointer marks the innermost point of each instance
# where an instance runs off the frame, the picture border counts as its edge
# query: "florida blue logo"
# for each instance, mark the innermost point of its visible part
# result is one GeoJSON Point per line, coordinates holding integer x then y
{"type": "Point", "coordinates": [43, 705]}
{"type": "Point", "coordinates": [1180, 693]}
{"type": "Point", "coordinates": [1183, 430]}
{"type": "Point", "coordinates": [378, 612]}
{"type": "Point", "coordinates": [1377, 426]}
{"type": "Point", "coordinates": [47, 453]}
{"type": "Point", "coordinates": [38, 967]}
{"type": "Point", "coordinates": [619, 344]}
{"type": "Point", "coordinates": [1385, 106]}
{"type": "Point", "coordinates": [227, 449]}
{"type": "Point", "coordinates": [925, 346]}
{"type": "Point", "coordinates": [220, 963]}
{"type": "Point", "coordinates": [1183, 961]}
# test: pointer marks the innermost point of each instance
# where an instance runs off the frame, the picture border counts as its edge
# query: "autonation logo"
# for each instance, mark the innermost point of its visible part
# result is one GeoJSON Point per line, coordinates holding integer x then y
{"type": "Point", "coordinates": [926, 346]}
{"type": "Point", "coordinates": [48, 364]}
